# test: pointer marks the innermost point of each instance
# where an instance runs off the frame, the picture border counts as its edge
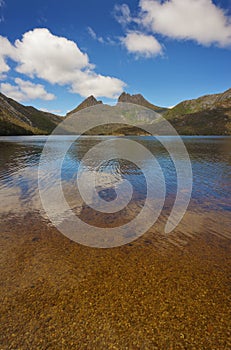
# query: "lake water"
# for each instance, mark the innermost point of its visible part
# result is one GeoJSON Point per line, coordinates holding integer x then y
{"type": "Point", "coordinates": [19, 160]}
{"type": "Point", "coordinates": [156, 292]}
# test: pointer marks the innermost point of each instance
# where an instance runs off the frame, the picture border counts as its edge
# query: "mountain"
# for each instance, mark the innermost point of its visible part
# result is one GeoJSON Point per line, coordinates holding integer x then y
{"type": "Point", "coordinates": [138, 99]}
{"type": "Point", "coordinates": [124, 97]}
{"type": "Point", "coordinates": [137, 117]}
{"type": "Point", "coordinates": [16, 119]}
{"type": "Point", "coordinates": [89, 102]}
{"type": "Point", "coordinates": [206, 115]}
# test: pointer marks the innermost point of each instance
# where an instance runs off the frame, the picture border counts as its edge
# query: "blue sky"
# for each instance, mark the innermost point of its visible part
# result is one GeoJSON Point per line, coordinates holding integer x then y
{"type": "Point", "coordinates": [53, 54]}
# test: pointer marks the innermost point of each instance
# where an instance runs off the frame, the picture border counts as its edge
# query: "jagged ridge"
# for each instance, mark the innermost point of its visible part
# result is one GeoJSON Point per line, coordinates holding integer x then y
{"type": "Point", "coordinates": [140, 100]}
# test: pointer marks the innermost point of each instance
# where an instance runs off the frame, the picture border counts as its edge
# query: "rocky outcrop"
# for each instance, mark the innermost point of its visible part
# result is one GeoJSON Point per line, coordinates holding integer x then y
{"type": "Point", "coordinates": [140, 100]}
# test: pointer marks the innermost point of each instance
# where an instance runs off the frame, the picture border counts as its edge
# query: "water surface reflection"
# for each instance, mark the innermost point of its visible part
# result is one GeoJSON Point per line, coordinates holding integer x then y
{"type": "Point", "coordinates": [19, 159]}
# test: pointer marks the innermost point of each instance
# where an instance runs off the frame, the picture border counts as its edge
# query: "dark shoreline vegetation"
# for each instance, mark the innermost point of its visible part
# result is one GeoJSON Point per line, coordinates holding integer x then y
{"type": "Point", "coordinates": [207, 115]}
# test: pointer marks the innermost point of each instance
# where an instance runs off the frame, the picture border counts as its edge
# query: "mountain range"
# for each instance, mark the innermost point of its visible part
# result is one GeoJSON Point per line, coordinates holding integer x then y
{"type": "Point", "coordinates": [206, 115]}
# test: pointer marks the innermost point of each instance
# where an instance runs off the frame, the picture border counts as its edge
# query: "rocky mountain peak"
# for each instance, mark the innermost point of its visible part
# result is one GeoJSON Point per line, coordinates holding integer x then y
{"type": "Point", "coordinates": [88, 102]}
{"type": "Point", "coordinates": [92, 99]}
{"type": "Point", "coordinates": [138, 99]}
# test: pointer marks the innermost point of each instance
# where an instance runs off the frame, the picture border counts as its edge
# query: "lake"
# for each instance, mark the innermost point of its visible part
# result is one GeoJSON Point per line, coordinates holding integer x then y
{"type": "Point", "coordinates": [166, 289]}
{"type": "Point", "coordinates": [210, 158]}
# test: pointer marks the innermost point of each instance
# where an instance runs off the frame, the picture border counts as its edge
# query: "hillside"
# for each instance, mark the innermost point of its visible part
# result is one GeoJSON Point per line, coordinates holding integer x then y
{"type": "Point", "coordinates": [206, 115]}
{"type": "Point", "coordinates": [16, 119]}
{"type": "Point", "coordinates": [207, 102]}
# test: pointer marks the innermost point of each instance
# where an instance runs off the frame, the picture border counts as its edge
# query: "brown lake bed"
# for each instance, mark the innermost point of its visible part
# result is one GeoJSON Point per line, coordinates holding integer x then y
{"type": "Point", "coordinates": [157, 292]}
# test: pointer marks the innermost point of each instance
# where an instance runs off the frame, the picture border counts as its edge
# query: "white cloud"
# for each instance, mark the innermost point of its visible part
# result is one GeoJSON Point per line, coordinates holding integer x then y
{"type": "Point", "coordinates": [99, 84]}
{"type": "Point", "coordinates": [106, 40]}
{"type": "Point", "coordinates": [92, 33]}
{"type": "Point", "coordinates": [3, 76]}
{"type": "Point", "coordinates": [49, 57]}
{"type": "Point", "coordinates": [2, 4]}
{"type": "Point", "coordinates": [25, 90]}
{"type": "Point", "coordinates": [3, 66]}
{"type": "Point", "coordinates": [198, 20]}
{"type": "Point", "coordinates": [94, 36]}
{"type": "Point", "coordinates": [6, 49]}
{"type": "Point", "coordinates": [141, 44]}
{"type": "Point", "coordinates": [122, 14]}
{"type": "Point", "coordinates": [58, 61]}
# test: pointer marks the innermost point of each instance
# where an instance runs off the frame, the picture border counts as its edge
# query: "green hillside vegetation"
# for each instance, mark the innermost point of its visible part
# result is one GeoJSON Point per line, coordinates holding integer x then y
{"type": "Point", "coordinates": [207, 122]}
{"type": "Point", "coordinates": [207, 115]}
{"type": "Point", "coordinates": [16, 119]}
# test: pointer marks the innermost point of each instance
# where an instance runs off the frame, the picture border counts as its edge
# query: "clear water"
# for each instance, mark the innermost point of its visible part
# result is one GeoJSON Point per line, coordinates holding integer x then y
{"type": "Point", "coordinates": [19, 159]}
{"type": "Point", "coordinates": [158, 292]}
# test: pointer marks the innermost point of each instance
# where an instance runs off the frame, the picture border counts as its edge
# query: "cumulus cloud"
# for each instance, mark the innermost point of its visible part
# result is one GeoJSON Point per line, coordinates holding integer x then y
{"type": "Point", "coordinates": [199, 20]}
{"type": "Point", "coordinates": [99, 84]}
{"type": "Point", "coordinates": [6, 50]}
{"type": "Point", "coordinates": [24, 90]}
{"type": "Point", "coordinates": [59, 61]}
{"type": "Point", "coordinates": [141, 44]}
{"type": "Point", "coordinates": [49, 57]}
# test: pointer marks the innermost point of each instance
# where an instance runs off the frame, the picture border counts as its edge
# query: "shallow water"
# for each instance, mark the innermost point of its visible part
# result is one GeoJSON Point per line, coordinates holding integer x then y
{"type": "Point", "coordinates": [158, 292]}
